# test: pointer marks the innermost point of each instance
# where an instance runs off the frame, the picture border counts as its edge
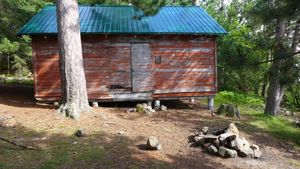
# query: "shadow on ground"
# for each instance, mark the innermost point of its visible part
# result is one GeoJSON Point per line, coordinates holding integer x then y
{"type": "Point", "coordinates": [97, 150]}
{"type": "Point", "coordinates": [106, 150]}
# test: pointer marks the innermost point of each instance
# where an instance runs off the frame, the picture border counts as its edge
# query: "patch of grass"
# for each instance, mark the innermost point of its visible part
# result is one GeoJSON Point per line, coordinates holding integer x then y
{"type": "Point", "coordinates": [2, 165]}
{"type": "Point", "coordinates": [28, 81]}
{"type": "Point", "coordinates": [253, 107]}
{"type": "Point", "coordinates": [160, 165]}
{"type": "Point", "coordinates": [57, 157]}
{"type": "Point", "coordinates": [238, 98]}
{"type": "Point", "coordinates": [92, 154]}
{"type": "Point", "coordinates": [247, 104]}
{"type": "Point", "coordinates": [280, 127]}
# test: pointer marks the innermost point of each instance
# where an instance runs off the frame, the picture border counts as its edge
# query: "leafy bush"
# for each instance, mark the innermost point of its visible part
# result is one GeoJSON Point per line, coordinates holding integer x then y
{"type": "Point", "coordinates": [17, 54]}
{"type": "Point", "coordinates": [238, 98]}
{"type": "Point", "coordinates": [17, 80]}
{"type": "Point", "coordinates": [291, 98]}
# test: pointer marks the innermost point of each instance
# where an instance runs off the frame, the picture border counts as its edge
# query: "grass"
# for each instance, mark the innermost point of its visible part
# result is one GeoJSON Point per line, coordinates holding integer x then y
{"type": "Point", "coordinates": [280, 127]}
{"type": "Point", "coordinates": [28, 81]}
{"type": "Point", "coordinates": [60, 152]}
{"type": "Point", "coordinates": [252, 106]}
{"type": "Point", "coordinates": [68, 151]}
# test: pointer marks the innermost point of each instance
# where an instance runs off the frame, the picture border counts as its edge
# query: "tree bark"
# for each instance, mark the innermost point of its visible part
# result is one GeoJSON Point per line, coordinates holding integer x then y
{"type": "Point", "coordinates": [196, 2]}
{"type": "Point", "coordinates": [276, 89]}
{"type": "Point", "coordinates": [263, 88]}
{"type": "Point", "coordinates": [296, 38]}
{"type": "Point", "coordinates": [74, 99]}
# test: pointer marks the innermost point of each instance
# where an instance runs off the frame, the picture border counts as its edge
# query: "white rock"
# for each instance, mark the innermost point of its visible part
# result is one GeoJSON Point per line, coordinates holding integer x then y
{"type": "Point", "coordinates": [233, 129]}
{"type": "Point", "coordinates": [243, 148]}
{"type": "Point", "coordinates": [227, 153]}
{"type": "Point", "coordinates": [163, 108]}
{"type": "Point", "coordinates": [212, 149]}
{"type": "Point", "coordinates": [153, 143]}
{"type": "Point", "coordinates": [204, 130]}
{"type": "Point", "coordinates": [256, 151]}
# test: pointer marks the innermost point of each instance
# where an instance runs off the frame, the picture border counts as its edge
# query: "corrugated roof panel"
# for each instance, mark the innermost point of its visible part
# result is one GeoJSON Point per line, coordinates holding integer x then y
{"type": "Point", "coordinates": [121, 20]}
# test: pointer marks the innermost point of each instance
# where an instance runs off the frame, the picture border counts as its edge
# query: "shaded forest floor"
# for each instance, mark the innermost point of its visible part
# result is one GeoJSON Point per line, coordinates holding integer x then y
{"type": "Point", "coordinates": [116, 139]}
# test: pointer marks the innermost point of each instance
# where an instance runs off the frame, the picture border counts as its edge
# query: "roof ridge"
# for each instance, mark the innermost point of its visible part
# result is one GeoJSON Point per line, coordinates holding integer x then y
{"type": "Point", "coordinates": [109, 5]}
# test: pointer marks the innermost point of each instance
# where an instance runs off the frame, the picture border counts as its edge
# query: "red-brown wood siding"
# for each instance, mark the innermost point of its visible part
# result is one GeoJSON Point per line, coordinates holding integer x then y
{"type": "Point", "coordinates": [187, 67]}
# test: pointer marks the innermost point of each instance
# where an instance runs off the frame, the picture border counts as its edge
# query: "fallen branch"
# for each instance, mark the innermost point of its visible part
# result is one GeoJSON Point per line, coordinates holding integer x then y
{"type": "Point", "coordinates": [19, 145]}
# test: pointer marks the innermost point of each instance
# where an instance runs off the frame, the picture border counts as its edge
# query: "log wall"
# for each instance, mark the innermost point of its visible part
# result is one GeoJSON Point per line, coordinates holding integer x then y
{"type": "Point", "coordinates": [179, 66]}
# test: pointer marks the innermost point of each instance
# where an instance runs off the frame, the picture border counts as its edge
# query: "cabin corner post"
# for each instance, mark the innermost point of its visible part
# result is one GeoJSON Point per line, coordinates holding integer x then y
{"type": "Point", "coordinates": [33, 47]}
{"type": "Point", "coordinates": [211, 103]}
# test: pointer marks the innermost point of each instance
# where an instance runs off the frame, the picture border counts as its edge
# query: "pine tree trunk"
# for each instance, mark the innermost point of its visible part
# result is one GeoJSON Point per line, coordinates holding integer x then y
{"type": "Point", "coordinates": [296, 38]}
{"type": "Point", "coordinates": [275, 94]}
{"type": "Point", "coordinates": [196, 2]}
{"type": "Point", "coordinates": [276, 89]}
{"type": "Point", "coordinates": [73, 84]}
{"type": "Point", "coordinates": [263, 89]}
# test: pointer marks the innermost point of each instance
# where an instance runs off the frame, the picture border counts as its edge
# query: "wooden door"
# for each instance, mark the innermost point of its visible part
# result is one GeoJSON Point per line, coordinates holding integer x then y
{"type": "Point", "coordinates": [142, 67]}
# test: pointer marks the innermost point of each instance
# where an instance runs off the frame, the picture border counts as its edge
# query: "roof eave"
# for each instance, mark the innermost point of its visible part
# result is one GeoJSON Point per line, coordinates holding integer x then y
{"type": "Point", "coordinates": [128, 33]}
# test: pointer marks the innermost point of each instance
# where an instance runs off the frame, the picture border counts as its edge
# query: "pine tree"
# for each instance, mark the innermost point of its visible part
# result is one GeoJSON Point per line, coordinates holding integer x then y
{"type": "Point", "coordinates": [74, 99]}
{"type": "Point", "coordinates": [281, 14]}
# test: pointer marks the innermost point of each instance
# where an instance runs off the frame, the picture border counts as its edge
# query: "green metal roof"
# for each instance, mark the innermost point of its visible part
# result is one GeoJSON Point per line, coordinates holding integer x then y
{"type": "Point", "coordinates": [120, 20]}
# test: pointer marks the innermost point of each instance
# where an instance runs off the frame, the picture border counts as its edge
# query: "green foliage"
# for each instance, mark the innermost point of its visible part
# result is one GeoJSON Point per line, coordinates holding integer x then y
{"type": "Point", "coordinates": [247, 104]}
{"type": "Point", "coordinates": [2, 166]}
{"type": "Point", "coordinates": [237, 98]}
{"type": "Point", "coordinates": [241, 50]}
{"type": "Point", "coordinates": [15, 14]}
{"type": "Point", "coordinates": [245, 55]}
{"type": "Point", "coordinates": [139, 3]}
{"type": "Point", "coordinates": [280, 127]}
{"type": "Point", "coordinates": [108, 2]}
{"type": "Point", "coordinates": [15, 52]}
{"type": "Point", "coordinates": [148, 7]}
{"type": "Point", "coordinates": [253, 107]}
{"type": "Point", "coordinates": [17, 81]}
{"type": "Point", "coordinates": [292, 97]}
{"type": "Point", "coordinates": [267, 11]}
{"type": "Point", "coordinates": [7, 47]}
{"type": "Point", "coordinates": [284, 67]}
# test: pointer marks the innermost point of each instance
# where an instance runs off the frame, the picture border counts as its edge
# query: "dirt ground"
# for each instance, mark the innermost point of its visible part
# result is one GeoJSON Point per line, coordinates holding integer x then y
{"type": "Point", "coordinates": [116, 138]}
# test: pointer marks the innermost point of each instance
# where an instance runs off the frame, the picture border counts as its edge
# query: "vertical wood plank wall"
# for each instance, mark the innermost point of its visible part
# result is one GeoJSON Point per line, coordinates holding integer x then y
{"type": "Point", "coordinates": [187, 67]}
{"type": "Point", "coordinates": [142, 67]}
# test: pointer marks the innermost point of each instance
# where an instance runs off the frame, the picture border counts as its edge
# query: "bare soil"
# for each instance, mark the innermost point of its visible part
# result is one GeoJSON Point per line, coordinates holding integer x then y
{"type": "Point", "coordinates": [116, 139]}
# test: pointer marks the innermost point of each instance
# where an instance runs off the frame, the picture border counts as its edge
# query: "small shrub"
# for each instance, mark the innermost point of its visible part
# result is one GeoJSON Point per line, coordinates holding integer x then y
{"type": "Point", "coordinates": [238, 98]}
{"type": "Point", "coordinates": [17, 80]}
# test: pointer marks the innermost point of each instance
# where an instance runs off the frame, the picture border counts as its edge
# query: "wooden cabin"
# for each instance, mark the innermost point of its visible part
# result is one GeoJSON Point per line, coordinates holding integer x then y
{"type": "Point", "coordinates": [128, 56]}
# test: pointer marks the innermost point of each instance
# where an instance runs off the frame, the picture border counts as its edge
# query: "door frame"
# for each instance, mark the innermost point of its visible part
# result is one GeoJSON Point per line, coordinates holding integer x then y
{"type": "Point", "coordinates": [131, 66]}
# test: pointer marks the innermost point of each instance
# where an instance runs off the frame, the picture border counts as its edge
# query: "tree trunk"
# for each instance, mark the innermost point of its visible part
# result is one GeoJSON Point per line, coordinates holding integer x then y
{"type": "Point", "coordinates": [73, 84]}
{"type": "Point", "coordinates": [276, 89]}
{"type": "Point", "coordinates": [196, 2]}
{"type": "Point", "coordinates": [263, 89]}
{"type": "Point", "coordinates": [296, 38]}
{"type": "Point", "coordinates": [275, 94]}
